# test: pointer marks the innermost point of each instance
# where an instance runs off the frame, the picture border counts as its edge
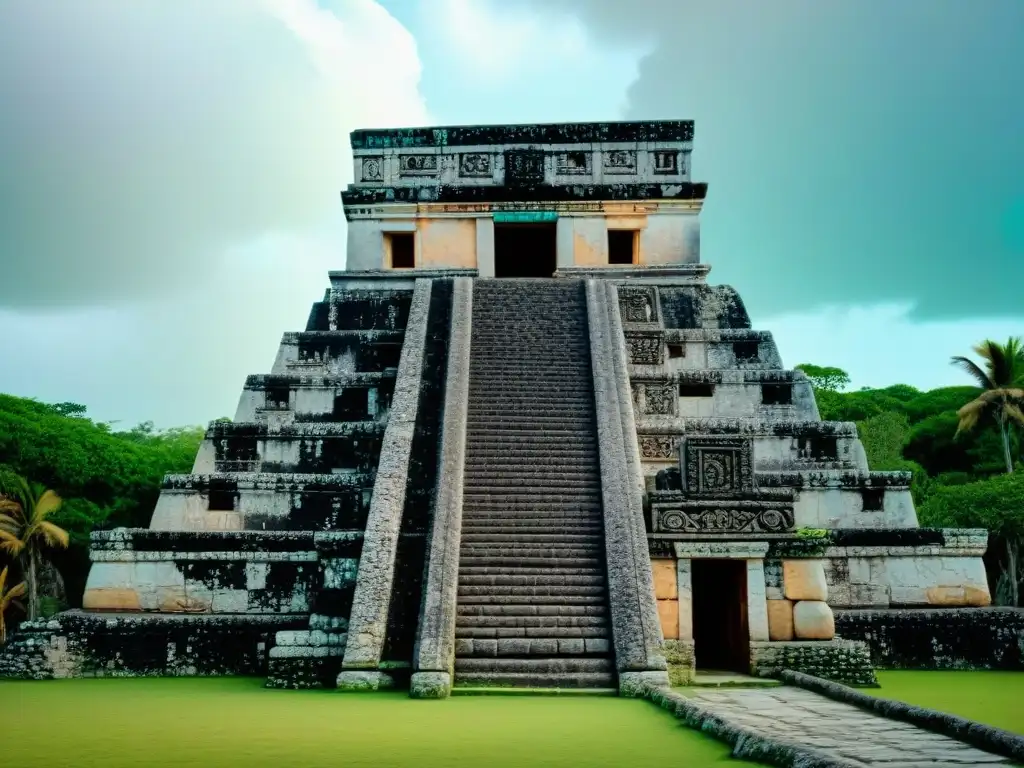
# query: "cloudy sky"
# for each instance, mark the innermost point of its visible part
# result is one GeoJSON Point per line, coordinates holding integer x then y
{"type": "Point", "coordinates": [170, 168]}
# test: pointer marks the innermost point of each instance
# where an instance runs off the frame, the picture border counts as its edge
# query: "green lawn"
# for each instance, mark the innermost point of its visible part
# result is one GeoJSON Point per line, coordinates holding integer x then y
{"type": "Point", "coordinates": [995, 698]}
{"type": "Point", "coordinates": [225, 722]}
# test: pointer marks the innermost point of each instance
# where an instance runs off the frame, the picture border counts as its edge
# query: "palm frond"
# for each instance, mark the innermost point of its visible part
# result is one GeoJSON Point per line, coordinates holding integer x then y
{"type": "Point", "coordinates": [46, 504]}
{"type": "Point", "coordinates": [10, 543]}
{"type": "Point", "coordinates": [972, 369]}
{"type": "Point", "coordinates": [9, 522]}
{"type": "Point", "coordinates": [53, 535]}
{"type": "Point", "coordinates": [1014, 412]}
{"type": "Point", "coordinates": [12, 595]}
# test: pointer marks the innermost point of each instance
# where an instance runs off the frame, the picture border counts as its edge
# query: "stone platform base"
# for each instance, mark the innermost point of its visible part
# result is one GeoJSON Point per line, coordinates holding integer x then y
{"type": "Point", "coordinates": [938, 638]}
{"type": "Point", "coordinates": [82, 644]}
{"type": "Point", "coordinates": [843, 661]}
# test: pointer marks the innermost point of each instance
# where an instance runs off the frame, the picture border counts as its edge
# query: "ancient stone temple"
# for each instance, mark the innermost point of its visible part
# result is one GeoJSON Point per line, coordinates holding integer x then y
{"type": "Point", "coordinates": [523, 441]}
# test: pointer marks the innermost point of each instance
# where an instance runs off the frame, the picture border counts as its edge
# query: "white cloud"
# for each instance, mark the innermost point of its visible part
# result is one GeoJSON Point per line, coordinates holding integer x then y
{"type": "Point", "coordinates": [141, 139]}
{"type": "Point", "coordinates": [882, 345]}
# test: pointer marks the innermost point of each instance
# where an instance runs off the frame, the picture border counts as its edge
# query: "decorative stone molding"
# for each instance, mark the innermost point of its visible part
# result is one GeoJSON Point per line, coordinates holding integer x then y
{"type": "Point", "coordinates": [638, 305]}
{"type": "Point", "coordinates": [435, 647]}
{"type": "Point", "coordinates": [710, 516]}
{"type": "Point", "coordinates": [654, 398]}
{"type": "Point", "coordinates": [664, 447]}
{"type": "Point", "coordinates": [372, 598]}
{"type": "Point", "coordinates": [745, 550]}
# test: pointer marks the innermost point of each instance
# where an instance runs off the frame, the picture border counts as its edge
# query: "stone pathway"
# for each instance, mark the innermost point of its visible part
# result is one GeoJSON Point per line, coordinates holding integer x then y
{"type": "Point", "coordinates": [839, 730]}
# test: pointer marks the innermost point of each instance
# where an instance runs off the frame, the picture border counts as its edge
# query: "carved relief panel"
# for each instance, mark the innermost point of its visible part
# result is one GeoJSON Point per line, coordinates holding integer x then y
{"type": "Point", "coordinates": [638, 305]}
{"type": "Point", "coordinates": [417, 165]}
{"type": "Point", "coordinates": [717, 466]}
{"type": "Point", "coordinates": [373, 169]}
{"type": "Point", "coordinates": [645, 348]}
{"type": "Point", "coordinates": [475, 165]}
{"type": "Point", "coordinates": [620, 161]}
{"type": "Point", "coordinates": [659, 447]}
{"type": "Point", "coordinates": [722, 517]}
{"type": "Point", "coordinates": [524, 167]}
{"type": "Point", "coordinates": [654, 398]}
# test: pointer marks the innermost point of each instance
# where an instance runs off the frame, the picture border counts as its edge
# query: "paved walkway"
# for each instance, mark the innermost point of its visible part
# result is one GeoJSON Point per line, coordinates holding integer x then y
{"type": "Point", "coordinates": [839, 730]}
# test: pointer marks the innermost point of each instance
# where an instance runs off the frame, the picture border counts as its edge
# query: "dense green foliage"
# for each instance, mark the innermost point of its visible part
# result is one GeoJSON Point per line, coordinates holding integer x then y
{"type": "Point", "coordinates": [106, 478]}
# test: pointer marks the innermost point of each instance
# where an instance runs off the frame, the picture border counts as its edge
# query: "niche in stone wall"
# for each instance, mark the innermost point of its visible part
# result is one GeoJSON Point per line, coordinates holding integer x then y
{"type": "Point", "coordinates": [353, 404]}
{"type": "Point", "coordinates": [277, 398]}
{"type": "Point", "coordinates": [622, 246]}
{"type": "Point", "coordinates": [745, 351]}
{"type": "Point", "coordinates": [221, 500]}
{"type": "Point", "coordinates": [819, 448]}
{"type": "Point", "coordinates": [872, 499]}
{"type": "Point", "coordinates": [401, 250]}
{"type": "Point", "coordinates": [776, 394]}
{"type": "Point", "coordinates": [696, 390]}
{"type": "Point", "coordinates": [676, 350]}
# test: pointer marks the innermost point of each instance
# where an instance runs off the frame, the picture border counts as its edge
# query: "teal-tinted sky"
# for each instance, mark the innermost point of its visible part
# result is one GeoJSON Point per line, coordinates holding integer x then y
{"type": "Point", "coordinates": [169, 202]}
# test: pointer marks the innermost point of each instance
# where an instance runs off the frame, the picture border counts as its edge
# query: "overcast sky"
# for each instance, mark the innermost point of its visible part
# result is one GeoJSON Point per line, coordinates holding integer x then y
{"type": "Point", "coordinates": [169, 194]}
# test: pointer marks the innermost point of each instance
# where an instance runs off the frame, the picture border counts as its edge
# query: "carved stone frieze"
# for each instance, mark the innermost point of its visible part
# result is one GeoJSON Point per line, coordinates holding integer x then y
{"type": "Point", "coordinates": [417, 165]}
{"type": "Point", "coordinates": [620, 161]}
{"type": "Point", "coordinates": [659, 446]}
{"type": "Point", "coordinates": [524, 166]}
{"type": "Point", "coordinates": [707, 516]}
{"type": "Point", "coordinates": [655, 398]}
{"type": "Point", "coordinates": [373, 168]}
{"type": "Point", "coordinates": [645, 348]}
{"type": "Point", "coordinates": [475, 165]}
{"type": "Point", "coordinates": [638, 305]}
{"type": "Point", "coordinates": [717, 466]}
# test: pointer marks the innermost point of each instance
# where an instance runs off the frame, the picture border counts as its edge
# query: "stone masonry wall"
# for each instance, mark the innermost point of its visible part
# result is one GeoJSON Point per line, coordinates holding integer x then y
{"type": "Point", "coordinates": [952, 638]}
{"type": "Point", "coordinates": [840, 660]}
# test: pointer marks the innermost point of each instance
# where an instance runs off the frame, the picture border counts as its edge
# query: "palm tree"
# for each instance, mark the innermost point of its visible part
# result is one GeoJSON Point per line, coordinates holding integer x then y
{"type": "Point", "coordinates": [1002, 382]}
{"type": "Point", "coordinates": [8, 597]}
{"type": "Point", "coordinates": [25, 530]}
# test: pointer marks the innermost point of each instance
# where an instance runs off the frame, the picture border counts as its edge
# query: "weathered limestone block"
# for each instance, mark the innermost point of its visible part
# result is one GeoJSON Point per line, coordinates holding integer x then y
{"type": "Point", "coordinates": [804, 580]}
{"type": "Point", "coordinates": [813, 620]}
{"type": "Point", "coordinates": [681, 661]}
{"type": "Point", "coordinates": [780, 620]}
{"type": "Point", "coordinates": [968, 594]}
{"type": "Point", "coordinates": [668, 613]}
{"type": "Point", "coordinates": [665, 586]}
{"type": "Point", "coordinates": [111, 599]}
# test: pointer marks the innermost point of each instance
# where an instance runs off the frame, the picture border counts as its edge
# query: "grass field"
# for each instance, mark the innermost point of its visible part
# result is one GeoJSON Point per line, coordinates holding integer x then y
{"type": "Point", "coordinates": [994, 698]}
{"type": "Point", "coordinates": [226, 722]}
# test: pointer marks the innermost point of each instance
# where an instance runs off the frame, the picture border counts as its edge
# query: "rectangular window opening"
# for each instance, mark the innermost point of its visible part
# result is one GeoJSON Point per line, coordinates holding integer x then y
{"type": "Point", "coordinates": [776, 394]}
{"type": "Point", "coordinates": [696, 390]}
{"type": "Point", "coordinates": [622, 246]}
{"type": "Point", "coordinates": [873, 499]}
{"type": "Point", "coordinates": [745, 351]}
{"type": "Point", "coordinates": [277, 398]}
{"type": "Point", "coordinates": [402, 247]}
{"type": "Point", "coordinates": [352, 404]}
{"type": "Point", "coordinates": [221, 501]}
{"type": "Point", "coordinates": [676, 350]}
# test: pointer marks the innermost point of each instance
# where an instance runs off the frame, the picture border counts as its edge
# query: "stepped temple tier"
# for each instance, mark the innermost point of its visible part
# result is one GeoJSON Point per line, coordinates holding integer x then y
{"type": "Point", "coordinates": [522, 441]}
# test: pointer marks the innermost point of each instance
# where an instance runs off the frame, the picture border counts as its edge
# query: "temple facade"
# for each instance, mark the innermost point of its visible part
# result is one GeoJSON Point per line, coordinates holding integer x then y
{"type": "Point", "coordinates": [523, 441]}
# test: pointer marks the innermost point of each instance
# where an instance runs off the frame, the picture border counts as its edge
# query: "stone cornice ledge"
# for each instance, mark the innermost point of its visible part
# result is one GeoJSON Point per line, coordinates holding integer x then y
{"type": "Point", "coordinates": [979, 735]}
{"type": "Point", "coordinates": [372, 598]}
{"type": "Point", "coordinates": [435, 644]}
{"type": "Point", "coordinates": [746, 743]}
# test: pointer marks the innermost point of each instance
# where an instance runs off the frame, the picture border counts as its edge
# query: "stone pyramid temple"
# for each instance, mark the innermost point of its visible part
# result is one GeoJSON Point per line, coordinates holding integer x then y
{"type": "Point", "coordinates": [522, 441]}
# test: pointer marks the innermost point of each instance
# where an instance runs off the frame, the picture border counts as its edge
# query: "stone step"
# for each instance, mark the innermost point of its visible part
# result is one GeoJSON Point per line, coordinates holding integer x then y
{"type": "Point", "coordinates": [539, 623]}
{"type": "Point", "coordinates": [542, 665]}
{"type": "Point", "coordinates": [493, 483]}
{"type": "Point", "coordinates": [533, 600]}
{"type": "Point", "coordinates": [516, 548]}
{"type": "Point", "coordinates": [501, 579]}
{"type": "Point", "coordinates": [517, 680]}
{"type": "Point", "coordinates": [572, 633]}
{"type": "Point", "coordinates": [539, 508]}
{"type": "Point", "coordinates": [499, 408]}
{"type": "Point", "coordinates": [503, 527]}
{"type": "Point", "coordinates": [504, 647]}
{"type": "Point", "coordinates": [536, 562]}
{"type": "Point", "coordinates": [472, 495]}
{"type": "Point", "coordinates": [542, 610]}
{"type": "Point", "coordinates": [568, 462]}
{"type": "Point", "coordinates": [557, 592]}
{"type": "Point", "coordinates": [567, 536]}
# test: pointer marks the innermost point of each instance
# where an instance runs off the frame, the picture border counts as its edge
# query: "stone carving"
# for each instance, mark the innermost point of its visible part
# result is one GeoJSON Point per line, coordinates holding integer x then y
{"type": "Point", "coordinates": [620, 161]}
{"type": "Point", "coordinates": [475, 164]}
{"type": "Point", "coordinates": [717, 466]}
{"type": "Point", "coordinates": [417, 165]}
{"type": "Point", "coordinates": [645, 348]}
{"type": "Point", "coordinates": [658, 446]}
{"type": "Point", "coordinates": [524, 166]}
{"type": "Point", "coordinates": [573, 163]}
{"type": "Point", "coordinates": [666, 161]}
{"type": "Point", "coordinates": [373, 169]}
{"type": "Point", "coordinates": [638, 305]}
{"type": "Point", "coordinates": [738, 517]}
{"type": "Point", "coordinates": [659, 398]}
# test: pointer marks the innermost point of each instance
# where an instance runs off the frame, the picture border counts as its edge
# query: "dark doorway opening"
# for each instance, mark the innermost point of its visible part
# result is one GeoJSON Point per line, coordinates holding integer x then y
{"type": "Point", "coordinates": [524, 250]}
{"type": "Point", "coordinates": [721, 638]}
{"type": "Point", "coordinates": [622, 246]}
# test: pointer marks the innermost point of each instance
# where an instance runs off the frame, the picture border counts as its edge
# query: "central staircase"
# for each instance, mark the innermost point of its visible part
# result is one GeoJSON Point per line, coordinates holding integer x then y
{"type": "Point", "coordinates": [532, 596]}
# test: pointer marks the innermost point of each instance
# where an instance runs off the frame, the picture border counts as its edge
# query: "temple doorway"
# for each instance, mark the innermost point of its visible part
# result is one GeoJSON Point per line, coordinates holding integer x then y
{"type": "Point", "coordinates": [721, 638]}
{"type": "Point", "coordinates": [524, 250]}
